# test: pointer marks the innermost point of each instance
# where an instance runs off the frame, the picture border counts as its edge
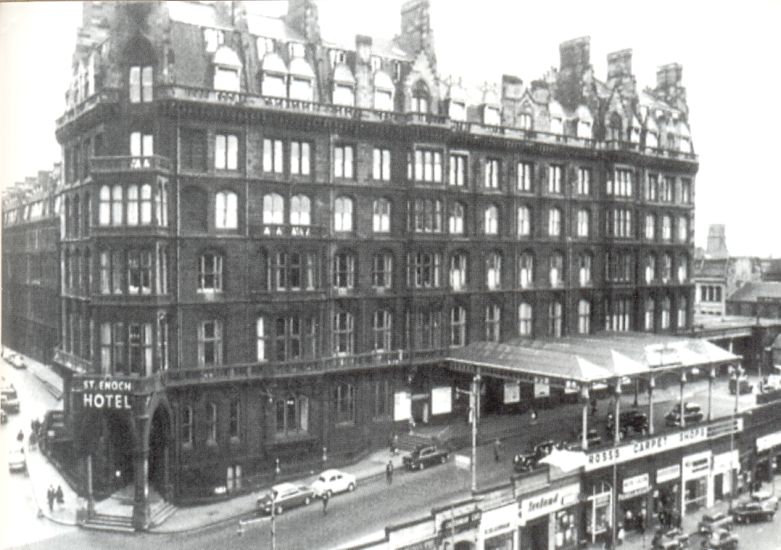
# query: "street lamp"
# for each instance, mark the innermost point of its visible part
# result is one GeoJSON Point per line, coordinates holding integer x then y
{"type": "Point", "coordinates": [737, 372]}
{"type": "Point", "coordinates": [616, 441]}
{"type": "Point", "coordinates": [474, 408]}
{"type": "Point", "coordinates": [273, 516]}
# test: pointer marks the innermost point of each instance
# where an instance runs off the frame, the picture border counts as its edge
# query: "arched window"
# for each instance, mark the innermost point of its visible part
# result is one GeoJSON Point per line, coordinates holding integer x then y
{"type": "Point", "coordinates": [615, 127]}
{"type": "Point", "coordinates": [300, 210]}
{"type": "Point", "coordinates": [554, 222]}
{"type": "Point", "coordinates": [458, 271]}
{"type": "Point", "coordinates": [650, 268]}
{"type": "Point", "coordinates": [665, 320]}
{"type": "Point", "coordinates": [584, 269]}
{"type": "Point", "coordinates": [493, 271]}
{"type": "Point", "coordinates": [273, 209]}
{"type": "Point", "coordinates": [381, 215]}
{"type": "Point", "coordinates": [491, 220]}
{"type": "Point", "coordinates": [683, 229]}
{"type": "Point", "coordinates": [343, 214]}
{"type": "Point", "coordinates": [456, 219]}
{"type": "Point", "coordinates": [226, 210]}
{"type": "Point", "coordinates": [524, 221]}
{"type": "Point", "coordinates": [555, 319]}
{"type": "Point", "coordinates": [383, 91]}
{"type": "Point", "coordinates": [526, 270]}
{"type": "Point", "coordinates": [584, 317]}
{"type": "Point", "coordinates": [525, 319]}
{"type": "Point", "coordinates": [683, 268]}
{"type": "Point", "coordinates": [683, 305]}
{"type": "Point", "coordinates": [457, 326]}
{"type": "Point", "coordinates": [493, 322]}
{"type": "Point", "coordinates": [650, 312]}
{"type": "Point", "coordinates": [420, 98]}
{"type": "Point", "coordinates": [556, 269]}
{"type": "Point", "coordinates": [211, 423]}
{"type": "Point", "coordinates": [667, 268]}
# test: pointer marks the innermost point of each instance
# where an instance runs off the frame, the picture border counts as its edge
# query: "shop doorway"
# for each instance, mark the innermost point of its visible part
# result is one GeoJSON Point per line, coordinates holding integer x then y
{"type": "Point", "coordinates": [718, 486]}
{"type": "Point", "coordinates": [535, 535]}
{"type": "Point", "coordinates": [696, 494]}
{"type": "Point", "coordinates": [464, 545]}
{"type": "Point", "coordinates": [159, 444]}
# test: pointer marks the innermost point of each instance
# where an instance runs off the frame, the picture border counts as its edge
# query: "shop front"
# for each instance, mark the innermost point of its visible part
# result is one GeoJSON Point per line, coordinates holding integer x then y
{"type": "Point", "coordinates": [548, 519]}
{"type": "Point", "coordinates": [666, 499]}
{"type": "Point", "coordinates": [633, 506]}
{"type": "Point", "coordinates": [598, 511]}
{"type": "Point", "coordinates": [768, 449]}
{"type": "Point", "coordinates": [725, 468]}
{"type": "Point", "coordinates": [498, 528]}
{"type": "Point", "coordinates": [696, 481]}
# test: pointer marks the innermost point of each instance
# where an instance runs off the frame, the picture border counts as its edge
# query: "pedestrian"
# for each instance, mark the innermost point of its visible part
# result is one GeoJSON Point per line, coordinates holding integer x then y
{"type": "Point", "coordinates": [534, 416]}
{"type": "Point", "coordinates": [389, 472]}
{"type": "Point", "coordinates": [620, 534]}
{"type": "Point", "coordinates": [325, 503]}
{"type": "Point", "coordinates": [50, 498]}
{"type": "Point", "coordinates": [497, 448]}
{"type": "Point", "coordinates": [59, 495]}
{"type": "Point", "coordinates": [20, 436]}
{"type": "Point", "coordinates": [641, 523]}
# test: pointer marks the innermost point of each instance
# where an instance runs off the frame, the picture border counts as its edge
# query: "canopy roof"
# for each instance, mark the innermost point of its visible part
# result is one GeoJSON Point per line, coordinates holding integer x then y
{"type": "Point", "coordinates": [592, 358]}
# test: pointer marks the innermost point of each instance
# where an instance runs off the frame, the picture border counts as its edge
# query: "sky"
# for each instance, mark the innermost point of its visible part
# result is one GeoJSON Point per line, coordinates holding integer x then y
{"type": "Point", "coordinates": [729, 52]}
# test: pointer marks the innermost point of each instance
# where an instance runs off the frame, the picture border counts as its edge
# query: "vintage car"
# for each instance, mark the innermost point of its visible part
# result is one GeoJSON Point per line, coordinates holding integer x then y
{"type": "Point", "coordinates": [284, 496]}
{"type": "Point", "coordinates": [766, 497]}
{"type": "Point", "coordinates": [17, 462]}
{"type": "Point", "coordinates": [721, 539]}
{"type": "Point", "coordinates": [331, 482]}
{"type": "Point", "coordinates": [692, 413]}
{"type": "Point", "coordinates": [751, 511]}
{"type": "Point", "coordinates": [425, 455]}
{"type": "Point", "coordinates": [711, 523]}
{"type": "Point", "coordinates": [632, 419]}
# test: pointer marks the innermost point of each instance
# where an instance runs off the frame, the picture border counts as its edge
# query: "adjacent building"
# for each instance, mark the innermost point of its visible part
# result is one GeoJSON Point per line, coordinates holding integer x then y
{"type": "Point", "coordinates": [271, 239]}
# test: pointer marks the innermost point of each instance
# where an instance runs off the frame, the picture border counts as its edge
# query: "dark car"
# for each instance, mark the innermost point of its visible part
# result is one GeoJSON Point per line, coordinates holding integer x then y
{"type": "Point", "coordinates": [17, 362]}
{"type": "Point", "coordinates": [710, 523]}
{"type": "Point", "coordinates": [523, 462]}
{"type": "Point", "coordinates": [742, 384]}
{"type": "Point", "coordinates": [9, 400]}
{"type": "Point", "coordinates": [721, 539]}
{"type": "Point", "coordinates": [631, 419]}
{"type": "Point", "coordinates": [691, 411]}
{"type": "Point", "coordinates": [425, 455]}
{"type": "Point", "coordinates": [671, 539]}
{"type": "Point", "coordinates": [286, 495]}
{"type": "Point", "coordinates": [592, 437]}
{"type": "Point", "coordinates": [750, 511]}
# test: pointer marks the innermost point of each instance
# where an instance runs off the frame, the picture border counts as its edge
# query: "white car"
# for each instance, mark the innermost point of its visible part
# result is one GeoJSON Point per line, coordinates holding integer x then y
{"type": "Point", "coordinates": [333, 481]}
{"type": "Point", "coordinates": [17, 462]}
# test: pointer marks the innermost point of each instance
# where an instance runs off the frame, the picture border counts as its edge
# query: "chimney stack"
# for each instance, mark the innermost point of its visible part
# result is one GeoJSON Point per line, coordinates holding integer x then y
{"type": "Point", "coordinates": [619, 63]}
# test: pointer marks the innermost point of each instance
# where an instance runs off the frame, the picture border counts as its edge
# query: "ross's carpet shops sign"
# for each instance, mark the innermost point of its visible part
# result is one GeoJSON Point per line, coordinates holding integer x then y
{"type": "Point", "coordinates": [105, 393]}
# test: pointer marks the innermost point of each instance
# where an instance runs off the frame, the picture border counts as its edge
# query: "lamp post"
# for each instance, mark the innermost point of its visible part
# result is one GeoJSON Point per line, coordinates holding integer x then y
{"type": "Point", "coordinates": [616, 441]}
{"type": "Point", "coordinates": [273, 522]}
{"type": "Point", "coordinates": [474, 407]}
{"type": "Point", "coordinates": [737, 372]}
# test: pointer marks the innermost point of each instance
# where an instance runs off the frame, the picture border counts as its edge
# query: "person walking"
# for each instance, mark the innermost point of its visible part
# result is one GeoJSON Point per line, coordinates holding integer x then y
{"type": "Point", "coordinates": [59, 495]}
{"type": "Point", "coordinates": [50, 498]}
{"type": "Point", "coordinates": [497, 448]}
{"type": "Point", "coordinates": [325, 503]}
{"type": "Point", "coordinates": [620, 535]}
{"type": "Point", "coordinates": [534, 416]}
{"type": "Point", "coordinates": [389, 472]}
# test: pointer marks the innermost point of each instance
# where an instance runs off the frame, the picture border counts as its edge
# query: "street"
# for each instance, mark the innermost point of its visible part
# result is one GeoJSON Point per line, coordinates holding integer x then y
{"type": "Point", "coordinates": [350, 516]}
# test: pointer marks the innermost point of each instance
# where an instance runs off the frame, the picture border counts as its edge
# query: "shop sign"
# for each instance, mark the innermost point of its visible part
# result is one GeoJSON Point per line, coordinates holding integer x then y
{"type": "Point", "coordinates": [512, 391]}
{"type": "Point", "coordinates": [768, 441]}
{"type": "Point", "coordinates": [668, 473]}
{"type": "Point", "coordinates": [499, 519]}
{"type": "Point", "coordinates": [441, 400]}
{"type": "Point", "coordinates": [634, 486]}
{"type": "Point", "coordinates": [402, 406]}
{"type": "Point", "coordinates": [106, 393]}
{"type": "Point", "coordinates": [646, 447]}
{"type": "Point", "coordinates": [548, 502]}
{"type": "Point", "coordinates": [726, 462]}
{"type": "Point", "coordinates": [459, 524]}
{"type": "Point", "coordinates": [696, 465]}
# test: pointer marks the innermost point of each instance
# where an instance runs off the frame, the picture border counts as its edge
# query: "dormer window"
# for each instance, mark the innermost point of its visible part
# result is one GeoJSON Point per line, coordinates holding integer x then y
{"type": "Point", "coordinates": [420, 98]}
{"type": "Point", "coordinates": [457, 110]}
{"type": "Point", "coordinates": [344, 86]}
{"type": "Point", "coordinates": [301, 78]}
{"type": "Point", "coordinates": [274, 82]}
{"type": "Point", "coordinates": [651, 140]}
{"type": "Point", "coordinates": [227, 70]}
{"type": "Point", "coordinates": [556, 125]}
{"type": "Point", "coordinates": [337, 57]}
{"type": "Point", "coordinates": [265, 46]}
{"type": "Point", "coordinates": [491, 116]}
{"type": "Point", "coordinates": [140, 79]}
{"type": "Point", "coordinates": [214, 38]}
{"type": "Point", "coordinates": [525, 121]}
{"type": "Point", "coordinates": [383, 91]}
{"type": "Point", "coordinates": [584, 129]}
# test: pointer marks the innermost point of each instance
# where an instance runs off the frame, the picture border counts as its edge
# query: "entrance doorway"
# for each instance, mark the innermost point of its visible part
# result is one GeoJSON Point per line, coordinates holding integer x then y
{"type": "Point", "coordinates": [718, 486]}
{"type": "Point", "coordinates": [159, 444]}
{"type": "Point", "coordinates": [535, 535]}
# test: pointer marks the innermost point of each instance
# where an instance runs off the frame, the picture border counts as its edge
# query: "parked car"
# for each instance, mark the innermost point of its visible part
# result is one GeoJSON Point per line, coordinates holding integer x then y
{"type": "Point", "coordinates": [742, 384]}
{"type": "Point", "coordinates": [710, 523]}
{"type": "Point", "coordinates": [17, 361]}
{"type": "Point", "coordinates": [766, 497]}
{"type": "Point", "coordinates": [544, 448]}
{"type": "Point", "coordinates": [286, 495]}
{"type": "Point", "coordinates": [333, 481]}
{"type": "Point", "coordinates": [17, 462]}
{"type": "Point", "coordinates": [750, 511]}
{"type": "Point", "coordinates": [692, 413]}
{"type": "Point", "coordinates": [425, 455]}
{"type": "Point", "coordinates": [634, 419]}
{"type": "Point", "coordinates": [9, 400]}
{"type": "Point", "coordinates": [671, 539]}
{"type": "Point", "coordinates": [524, 462]}
{"type": "Point", "coordinates": [592, 437]}
{"type": "Point", "coordinates": [720, 539]}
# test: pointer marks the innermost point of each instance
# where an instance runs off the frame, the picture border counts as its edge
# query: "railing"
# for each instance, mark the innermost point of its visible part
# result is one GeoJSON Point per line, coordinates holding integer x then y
{"type": "Point", "coordinates": [104, 96]}
{"type": "Point", "coordinates": [359, 113]}
{"type": "Point", "coordinates": [275, 370]}
{"type": "Point", "coordinates": [129, 164]}
{"type": "Point", "coordinates": [287, 230]}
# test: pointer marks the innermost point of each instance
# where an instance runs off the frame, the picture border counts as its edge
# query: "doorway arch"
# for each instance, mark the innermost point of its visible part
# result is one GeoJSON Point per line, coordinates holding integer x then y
{"type": "Point", "coordinates": [159, 449]}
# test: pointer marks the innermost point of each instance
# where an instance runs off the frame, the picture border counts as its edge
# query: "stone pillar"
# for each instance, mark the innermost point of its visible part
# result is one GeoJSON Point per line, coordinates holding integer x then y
{"type": "Point", "coordinates": [711, 377]}
{"type": "Point", "coordinates": [168, 493]}
{"type": "Point", "coordinates": [141, 512]}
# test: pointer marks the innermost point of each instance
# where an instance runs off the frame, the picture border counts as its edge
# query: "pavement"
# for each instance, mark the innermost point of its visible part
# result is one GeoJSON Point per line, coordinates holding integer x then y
{"type": "Point", "coordinates": [509, 428]}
